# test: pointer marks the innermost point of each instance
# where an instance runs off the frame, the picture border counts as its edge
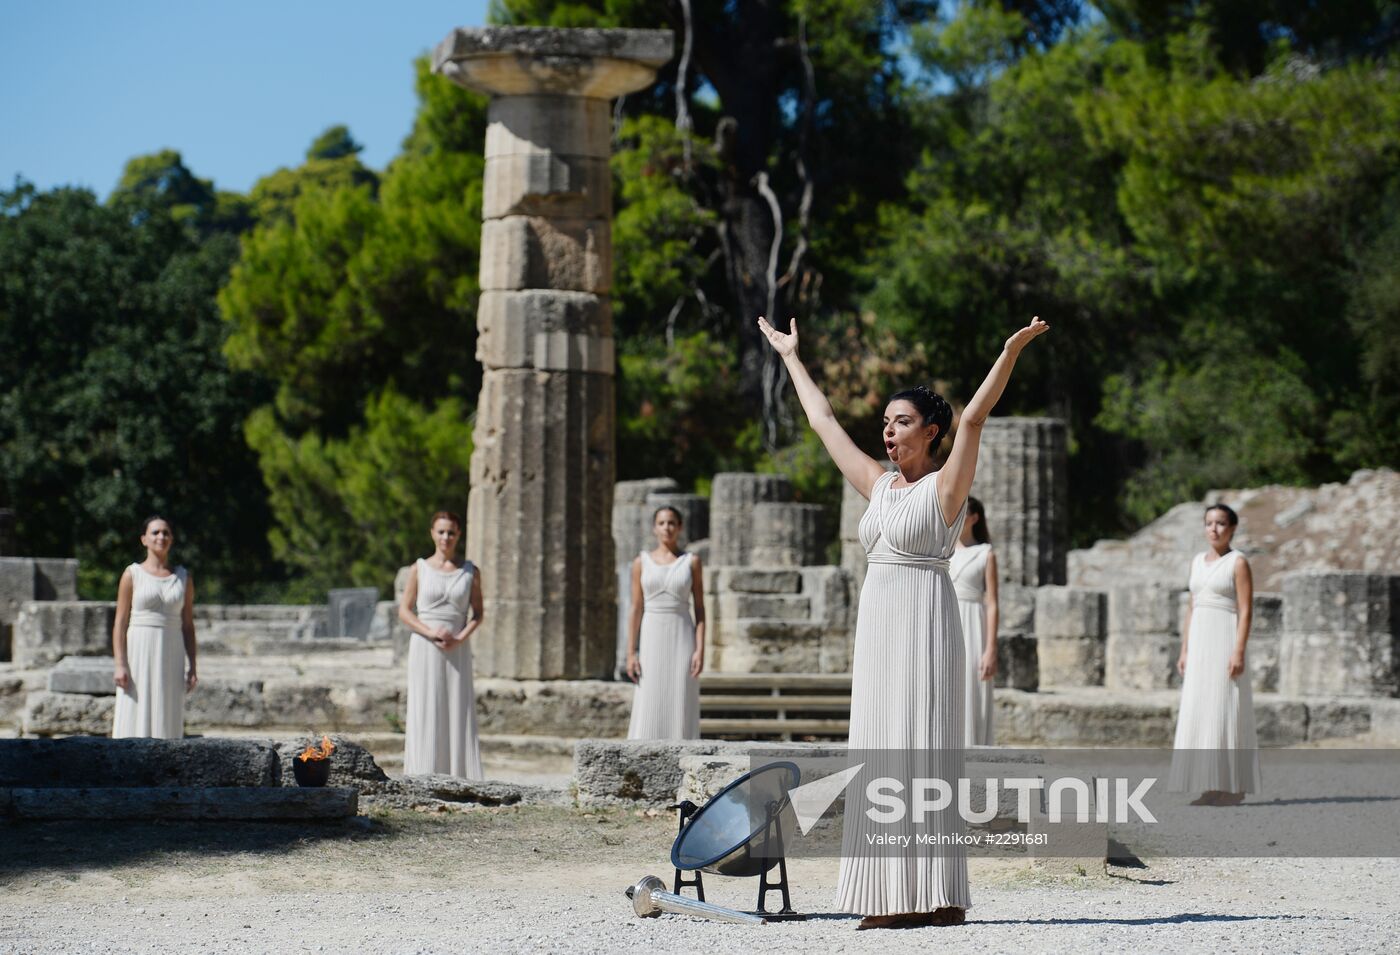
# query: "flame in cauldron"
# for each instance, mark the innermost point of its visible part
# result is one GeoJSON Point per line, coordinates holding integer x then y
{"type": "Point", "coordinates": [322, 751]}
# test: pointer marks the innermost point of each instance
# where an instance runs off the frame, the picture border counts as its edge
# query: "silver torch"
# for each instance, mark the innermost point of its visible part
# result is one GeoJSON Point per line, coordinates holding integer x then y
{"type": "Point", "coordinates": [650, 898]}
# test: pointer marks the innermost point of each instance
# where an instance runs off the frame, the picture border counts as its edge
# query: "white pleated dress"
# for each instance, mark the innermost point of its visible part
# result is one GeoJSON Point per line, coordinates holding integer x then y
{"type": "Point", "coordinates": [969, 572]}
{"type": "Point", "coordinates": [667, 701]}
{"type": "Point", "coordinates": [907, 690]}
{"type": "Point", "coordinates": [1216, 746]}
{"type": "Point", "coordinates": [154, 705]}
{"type": "Point", "coordinates": [441, 734]}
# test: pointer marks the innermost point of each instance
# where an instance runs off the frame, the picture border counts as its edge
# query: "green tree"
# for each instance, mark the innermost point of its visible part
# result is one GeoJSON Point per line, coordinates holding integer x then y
{"type": "Point", "coordinates": [355, 509]}
{"type": "Point", "coordinates": [358, 303]}
{"type": "Point", "coordinates": [115, 398]}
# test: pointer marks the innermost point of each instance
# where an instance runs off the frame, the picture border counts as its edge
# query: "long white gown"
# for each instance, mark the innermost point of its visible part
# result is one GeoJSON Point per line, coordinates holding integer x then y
{"type": "Point", "coordinates": [907, 691]}
{"type": "Point", "coordinates": [667, 701]}
{"type": "Point", "coordinates": [1216, 746]}
{"type": "Point", "coordinates": [441, 734]}
{"type": "Point", "coordinates": [154, 705]}
{"type": "Point", "coordinates": [969, 572]}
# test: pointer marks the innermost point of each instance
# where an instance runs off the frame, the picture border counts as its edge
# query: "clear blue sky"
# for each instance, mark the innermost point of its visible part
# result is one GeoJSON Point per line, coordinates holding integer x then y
{"type": "Point", "coordinates": [239, 87]}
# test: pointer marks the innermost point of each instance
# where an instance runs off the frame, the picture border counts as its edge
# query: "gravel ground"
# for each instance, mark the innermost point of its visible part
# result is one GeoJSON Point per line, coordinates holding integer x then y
{"type": "Point", "coordinates": [531, 879]}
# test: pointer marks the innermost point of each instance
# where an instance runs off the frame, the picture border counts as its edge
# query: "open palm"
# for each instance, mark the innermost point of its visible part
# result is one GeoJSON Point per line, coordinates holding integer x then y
{"type": "Point", "coordinates": [1025, 336]}
{"type": "Point", "coordinates": [784, 344]}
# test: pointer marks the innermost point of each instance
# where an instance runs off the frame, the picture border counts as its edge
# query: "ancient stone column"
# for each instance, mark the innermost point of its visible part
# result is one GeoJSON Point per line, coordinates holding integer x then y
{"type": "Point", "coordinates": [733, 495]}
{"type": "Point", "coordinates": [786, 534]}
{"type": "Point", "coordinates": [539, 513]}
{"type": "Point", "coordinates": [1022, 483]}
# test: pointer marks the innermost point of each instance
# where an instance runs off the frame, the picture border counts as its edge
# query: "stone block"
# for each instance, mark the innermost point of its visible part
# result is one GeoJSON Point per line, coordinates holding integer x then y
{"type": "Point", "coordinates": [1081, 719]}
{"type": "Point", "coordinates": [510, 62]}
{"type": "Point", "coordinates": [704, 776]}
{"type": "Point", "coordinates": [91, 675]}
{"type": "Point", "coordinates": [786, 534]}
{"type": "Point", "coordinates": [229, 702]}
{"type": "Point", "coordinates": [1016, 608]}
{"type": "Point", "coordinates": [1340, 634]}
{"type": "Point", "coordinates": [1143, 640]}
{"type": "Point", "coordinates": [545, 329]}
{"type": "Point", "coordinates": [351, 611]}
{"type": "Point", "coordinates": [532, 252]}
{"type": "Point", "coordinates": [569, 63]}
{"type": "Point", "coordinates": [55, 578]}
{"type": "Point", "coordinates": [549, 126]}
{"type": "Point", "coordinates": [1338, 719]}
{"type": "Point", "coordinates": [160, 804]}
{"type": "Point", "coordinates": [547, 184]}
{"type": "Point", "coordinates": [12, 694]}
{"type": "Point", "coordinates": [47, 631]}
{"type": "Point", "coordinates": [1070, 633]}
{"type": "Point", "coordinates": [770, 606]}
{"type": "Point", "coordinates": [67, 714]}
{"type": "Point", "coordinates": [83, 762]}
{"type": "Point", "coordinates": [1018, 661]}
{"type": "Point", "coordinates": [732, 499]}
{"type": "Point", "coordinates": [1385, 721]}
{"type": "Point", "coordinates": [1070, 613]}
{"type": "Point", "coordinates": [568, 708]}
{"type": "Point", "coordinates": [770, 646]}
{"type": "Point", "coordinates": [752, 580]}
{"type": "Point", "coordinates": [1265, 632]}
{"type": "Point", "coordinates": [694, 510]}
{"type": "Point", "coordinates": [633, 772]}
{"type": "Point", "coordinates": [1279, 722]}
{"type": "Point", "coordinates": [16, 586]}
{"type": "Point", "coordinates": [831, 593]}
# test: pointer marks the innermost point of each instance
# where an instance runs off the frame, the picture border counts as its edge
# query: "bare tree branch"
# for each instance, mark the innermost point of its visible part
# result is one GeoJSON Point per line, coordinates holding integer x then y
{"type": "Point", "coordinates": [683, 122]}
{"type": "Point", "coordinates": [774, 374]}
{"type": "Point", "coordinates": [804, 208]}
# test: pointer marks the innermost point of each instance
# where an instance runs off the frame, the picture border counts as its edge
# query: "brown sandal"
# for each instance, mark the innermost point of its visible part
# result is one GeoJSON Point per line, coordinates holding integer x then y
{"type": "Point", "coordinates": [948, 915]}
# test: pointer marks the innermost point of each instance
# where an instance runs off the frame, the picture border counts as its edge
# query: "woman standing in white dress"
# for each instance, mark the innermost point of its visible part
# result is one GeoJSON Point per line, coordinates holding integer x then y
{"type": "Point", "coordinates": [442, 605]}
{"type": "Point", "coordinates": [1216, 747]}
{"type": "Point", "coordinates": [907, 683]}
{"type": "Point", "coordinates": [974, 572]}
{"type": "Point", "coordinates": [152, 638]}
{"type": "Point", "coordinates": [666, 666]}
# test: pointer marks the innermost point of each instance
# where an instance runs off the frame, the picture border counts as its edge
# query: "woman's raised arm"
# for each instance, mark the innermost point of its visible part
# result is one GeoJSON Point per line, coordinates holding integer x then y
{"type": "Point", "coordinates": [858, 467]}
{"type": "Point", "coordinates": [955, 480]}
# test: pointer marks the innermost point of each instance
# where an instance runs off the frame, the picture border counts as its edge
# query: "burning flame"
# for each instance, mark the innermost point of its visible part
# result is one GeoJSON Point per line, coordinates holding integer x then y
{"type": "Point", "coordinates": [318, 752]}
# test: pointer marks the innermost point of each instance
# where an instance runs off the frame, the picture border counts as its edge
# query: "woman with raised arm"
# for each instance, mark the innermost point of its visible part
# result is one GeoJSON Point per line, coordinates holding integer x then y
{"type": "Point", "coordinates": [442, 605]}
{"type": "Point", "coordinates": [907, 684]}
{"type": "Point", "coordinates": [153, 645]}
